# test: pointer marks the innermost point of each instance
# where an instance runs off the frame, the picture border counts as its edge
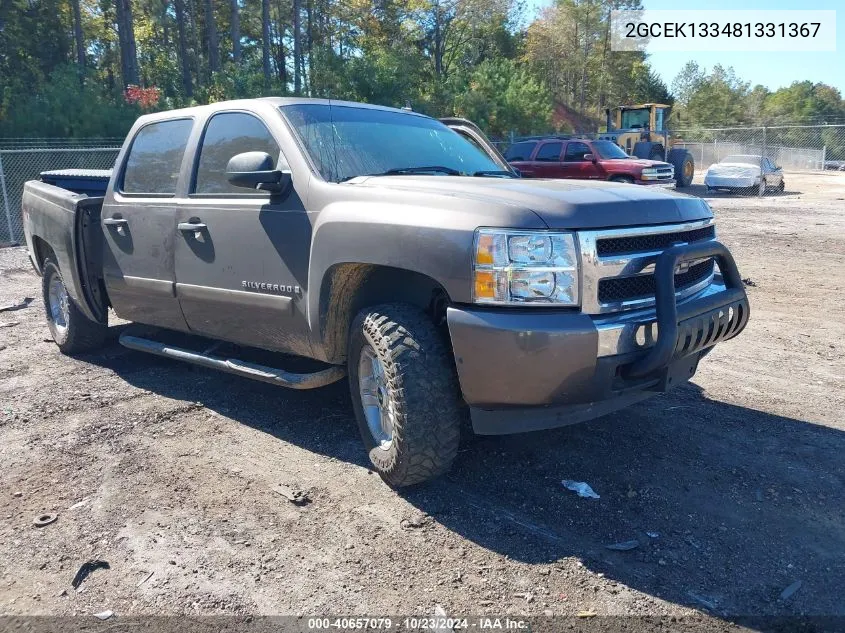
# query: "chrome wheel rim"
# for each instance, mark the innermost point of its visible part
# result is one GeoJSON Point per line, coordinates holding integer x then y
{"type": "Point", "coordinates": [58, 302]}
{"type": "Point", "coordinates": [379, 409]}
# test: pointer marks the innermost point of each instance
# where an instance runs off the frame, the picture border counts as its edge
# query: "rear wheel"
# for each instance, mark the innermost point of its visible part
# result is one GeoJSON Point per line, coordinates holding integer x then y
{"type": "Point", "coordinates": [405, 393]}
{"type": "Point", "coordinates": [73, 332]}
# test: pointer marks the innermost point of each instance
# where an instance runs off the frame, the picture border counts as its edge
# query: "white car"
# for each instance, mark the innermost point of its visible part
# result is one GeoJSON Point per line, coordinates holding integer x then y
{"type": "Point", "coordinates": [744, 171]}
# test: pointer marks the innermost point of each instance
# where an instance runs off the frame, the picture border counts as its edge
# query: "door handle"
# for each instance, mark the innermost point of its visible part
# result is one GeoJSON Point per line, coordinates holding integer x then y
{"type": "Point", "coordinates": [118, 223]}
{"type": "Point", "coordinates": [191, 226]}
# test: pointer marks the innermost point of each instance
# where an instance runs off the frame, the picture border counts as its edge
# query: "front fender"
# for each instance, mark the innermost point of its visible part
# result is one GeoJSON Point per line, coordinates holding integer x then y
{"type": "Point", "coordinates": [368, 233]}
{"type": "Point", "coordinates": [435, 241]}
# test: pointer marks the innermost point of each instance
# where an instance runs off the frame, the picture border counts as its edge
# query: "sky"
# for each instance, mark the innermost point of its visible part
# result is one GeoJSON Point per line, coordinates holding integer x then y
{"type": "Point", "coordinates": [773, 70]}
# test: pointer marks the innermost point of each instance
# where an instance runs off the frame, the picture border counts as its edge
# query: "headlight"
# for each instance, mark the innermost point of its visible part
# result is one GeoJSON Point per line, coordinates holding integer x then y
{"type": "Point", "coordinates": [648, 174]}
{"type": "Point", "coordinates": [525, 267]}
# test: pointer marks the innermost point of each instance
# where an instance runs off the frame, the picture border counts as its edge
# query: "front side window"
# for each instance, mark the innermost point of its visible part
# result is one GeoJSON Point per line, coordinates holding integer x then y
{"type": "Point", "coordinates": [155, 158]}
{"type": "Point", "coordinates": [576, 151]}
{"type": "Point", "coordinates": [520, 151]}
{"type": "Point", "coordinates": [549, 152]}
{"type": "Point", "coordinates": [228, 134]}
{"type": "Point", "coordinates": [344, 142]}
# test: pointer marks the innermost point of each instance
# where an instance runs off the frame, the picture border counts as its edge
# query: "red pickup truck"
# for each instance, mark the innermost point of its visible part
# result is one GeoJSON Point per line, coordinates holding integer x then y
{"type": "Point", "coordinates": [586, 159]}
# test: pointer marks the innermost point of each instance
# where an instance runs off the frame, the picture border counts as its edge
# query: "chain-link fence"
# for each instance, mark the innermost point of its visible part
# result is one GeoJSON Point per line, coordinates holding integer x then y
{"type": "Point", "coordinates": [45, 143]}
{"type": "Point", "coordinates": [792, 147]}
{"type": "Point", "coordinates": [19, 164]}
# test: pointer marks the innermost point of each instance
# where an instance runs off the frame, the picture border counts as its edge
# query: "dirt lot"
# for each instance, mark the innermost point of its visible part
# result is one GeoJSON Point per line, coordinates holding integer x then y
{"type": "Point", "coordinates": [733, 486]}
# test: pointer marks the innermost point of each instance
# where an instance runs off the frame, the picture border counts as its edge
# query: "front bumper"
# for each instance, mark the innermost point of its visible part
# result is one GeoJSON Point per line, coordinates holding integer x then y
{"type": "Point", "coordinates": [525, 370]}
{"type": "Point", "coordinates": [661, 184]}
{"type": "Point", "coordinates": [733, 182]}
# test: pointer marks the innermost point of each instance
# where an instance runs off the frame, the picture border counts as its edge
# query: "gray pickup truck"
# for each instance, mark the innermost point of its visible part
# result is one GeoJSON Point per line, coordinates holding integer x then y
{"type": "Point", "coordinates": [298, 241]}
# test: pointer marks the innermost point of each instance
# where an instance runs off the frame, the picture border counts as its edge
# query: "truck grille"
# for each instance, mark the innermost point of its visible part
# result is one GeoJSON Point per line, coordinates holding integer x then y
{"type": "Point", "coordinates": [658, 242]}
{"type": "Point", "coordinates": [618, 265]}
{"type": "Point", "coordinates": [665, 174]}
{"type": "Point", "coordinates": [642, 286]}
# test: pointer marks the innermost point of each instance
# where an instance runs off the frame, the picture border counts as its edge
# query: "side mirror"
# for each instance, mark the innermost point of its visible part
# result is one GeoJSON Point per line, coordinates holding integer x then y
{"type": "Point", "coordinates": [254, 170]}
{"type": "Point", "coordinates": [590, 157]}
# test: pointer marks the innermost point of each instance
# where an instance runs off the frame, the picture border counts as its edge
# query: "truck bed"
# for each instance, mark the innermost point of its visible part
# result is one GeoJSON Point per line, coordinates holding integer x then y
{"type": "Point", "coordinates": [67, 218]}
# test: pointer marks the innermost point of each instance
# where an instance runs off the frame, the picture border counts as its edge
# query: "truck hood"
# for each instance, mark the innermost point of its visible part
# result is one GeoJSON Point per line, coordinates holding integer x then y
{"type": "Point", "coordinates": [641, 163]}
{"type": "Point", "coordinates": [560, 204]}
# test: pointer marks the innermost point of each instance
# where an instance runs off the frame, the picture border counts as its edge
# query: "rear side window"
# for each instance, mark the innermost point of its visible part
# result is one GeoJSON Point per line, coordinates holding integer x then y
{"type": "Point", "coordinates": [228, 134]}
{"type": "Point", "coordinates": [576, 151]}
{"type": "Point", "coordinates": [549, 152]}
{"type": "Point", "coordinates": [520, 151]}
{"type": "Point", "coordinates": [155, 157]}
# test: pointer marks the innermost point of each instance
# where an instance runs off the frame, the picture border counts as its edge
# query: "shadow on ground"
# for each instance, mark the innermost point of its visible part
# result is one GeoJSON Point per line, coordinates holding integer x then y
{"type": "Point", "coordinates": [728, 505]}
{"type": "Point", "coordinates": [701, 191]}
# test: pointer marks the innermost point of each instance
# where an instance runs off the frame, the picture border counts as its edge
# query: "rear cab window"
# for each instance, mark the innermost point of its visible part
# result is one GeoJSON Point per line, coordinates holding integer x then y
{"type": "Point", "coordinates": [520, 151]}
{"type": "Point", "coordinates": [226, 135]}
{"type": "Point", "coordinates": [155, 158]}
{"type": "Point", "coordinates": [549, 152]}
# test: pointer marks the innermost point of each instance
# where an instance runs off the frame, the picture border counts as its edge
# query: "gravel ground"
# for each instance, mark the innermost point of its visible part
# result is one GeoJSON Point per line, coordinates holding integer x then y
{"type": "Point", "coordinates": [732, 487]}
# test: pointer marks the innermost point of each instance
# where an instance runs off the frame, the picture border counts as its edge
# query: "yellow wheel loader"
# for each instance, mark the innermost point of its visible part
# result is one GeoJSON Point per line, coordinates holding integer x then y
{"type": "Point", "coordinates": [641, 131]}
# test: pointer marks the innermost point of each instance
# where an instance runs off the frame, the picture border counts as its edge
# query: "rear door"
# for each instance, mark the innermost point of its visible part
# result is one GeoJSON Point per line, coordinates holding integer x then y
{"type": "Point", "coordinates": [242, 255]}
{"type": "Point", "coordinates": [139, 225]}
{"type": "Point", "coordinates": [575, 165]}
{"type": "Point", "coordinates": [546, 161]}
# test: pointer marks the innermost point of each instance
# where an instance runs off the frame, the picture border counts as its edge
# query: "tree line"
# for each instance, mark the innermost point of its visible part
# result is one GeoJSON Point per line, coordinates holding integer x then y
{"type": "Point", "coordinates": [88, 67]}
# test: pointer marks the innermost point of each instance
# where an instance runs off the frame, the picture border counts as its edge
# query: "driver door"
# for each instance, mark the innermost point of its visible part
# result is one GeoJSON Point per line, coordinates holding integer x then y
{"type": "Point", "coordinates": [575, 165]}
{"type": "Point", "coordinates": [241, 254]}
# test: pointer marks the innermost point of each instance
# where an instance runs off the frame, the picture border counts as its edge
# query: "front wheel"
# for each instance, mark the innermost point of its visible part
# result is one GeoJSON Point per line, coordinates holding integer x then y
{"type": "Point", "coordinates": [405, 393]}
{"type": "Point", "coordinates": [73, 332]}
{"type": "Point", "coordinates": [684, 166]}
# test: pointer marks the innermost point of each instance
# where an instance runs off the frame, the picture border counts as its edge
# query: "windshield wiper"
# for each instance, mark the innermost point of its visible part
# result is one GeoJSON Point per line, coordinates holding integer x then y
{"type": "Point", "coordinates": [419, 170]}
{"type": "Point", "coordinates": [496, 173]}
{"type": "Point", "coordinates": [403, 171]}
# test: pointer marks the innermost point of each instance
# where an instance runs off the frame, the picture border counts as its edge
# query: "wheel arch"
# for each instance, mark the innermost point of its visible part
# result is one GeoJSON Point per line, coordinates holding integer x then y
{"type": "Point", "coordinates": [41, 251]}
{"type": "Point", "coordinates": [347, 288]}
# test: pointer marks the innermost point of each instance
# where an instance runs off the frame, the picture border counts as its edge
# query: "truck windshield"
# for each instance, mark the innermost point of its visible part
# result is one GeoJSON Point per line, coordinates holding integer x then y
{"type": "Point", "coordinates": [608, 150]}
{"type": "Point", "coordinates": [345, 142]}
{"type": "Point", "coordinates": [635, 119]}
